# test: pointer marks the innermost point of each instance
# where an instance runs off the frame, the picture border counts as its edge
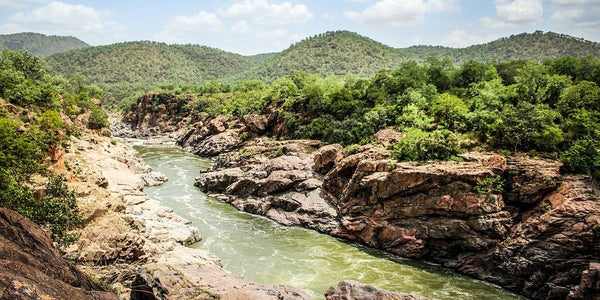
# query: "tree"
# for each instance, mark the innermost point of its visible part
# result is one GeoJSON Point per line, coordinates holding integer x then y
{"type": "Point", "coordinates": [98, 119]}
{"type": "Point", "coordinates": [470, 72]}
{"type": "Point", "coordinates": [585, 94]}
{"type": "Point", "coordinates": [450, 111]}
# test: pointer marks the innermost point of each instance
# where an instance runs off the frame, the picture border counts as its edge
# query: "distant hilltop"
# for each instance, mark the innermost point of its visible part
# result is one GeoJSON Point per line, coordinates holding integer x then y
{"type": "Point", "coordinates": [40, 44]}
{"type": "Point", "coordinates": [130, 66]}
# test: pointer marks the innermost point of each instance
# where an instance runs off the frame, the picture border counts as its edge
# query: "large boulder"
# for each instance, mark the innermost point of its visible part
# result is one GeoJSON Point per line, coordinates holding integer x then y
{"type": "Point", "coordinates": [32, 268]}
{"type": "Point", "coordinates": [327, 156]}
{"type": "Point", "coordinates": [256, 123]}
{"type": "Point", "coordinates": [352, 290]}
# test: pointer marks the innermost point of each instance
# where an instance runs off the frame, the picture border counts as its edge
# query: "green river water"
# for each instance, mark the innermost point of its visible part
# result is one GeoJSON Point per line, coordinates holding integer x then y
{"type": "Point", "coordinates": [266, 252]}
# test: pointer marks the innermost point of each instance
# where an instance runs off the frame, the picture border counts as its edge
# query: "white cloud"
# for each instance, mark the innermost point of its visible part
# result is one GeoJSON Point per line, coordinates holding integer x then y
{"type": "Point", "coordinates": [329, 17]}
{"type": "Point", "coordinates": [461, 38]}
{"type": "Point", "coordinates": [201, 22]}
{"type": "Point", "coordinates": [240, 27]}
{"type": "Point", "coordinates": [517, 12]}
{"type": "Point", "coordinates": [19, 4]}
{"type": "Point", "coordinates": [582, 14]}
{"type": "Point", "coordinates": [265, 13]}
{"type": "Point", "coordinates": [65, 19]}
{"type": "Point", "coordinates": [400, 12]}
{"type": "Point", "coordinates": [268, 34]}
{"type": "Point", "coordinates": [180, 29]}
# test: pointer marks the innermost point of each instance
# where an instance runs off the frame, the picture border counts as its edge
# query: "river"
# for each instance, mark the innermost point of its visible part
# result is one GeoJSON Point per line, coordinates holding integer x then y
{"type": "Point", "coordinates": [266, 252]}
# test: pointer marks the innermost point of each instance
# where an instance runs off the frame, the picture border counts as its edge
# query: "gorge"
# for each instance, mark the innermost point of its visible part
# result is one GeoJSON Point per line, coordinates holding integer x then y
{"type": "Point", "coordinates": [536, 236]}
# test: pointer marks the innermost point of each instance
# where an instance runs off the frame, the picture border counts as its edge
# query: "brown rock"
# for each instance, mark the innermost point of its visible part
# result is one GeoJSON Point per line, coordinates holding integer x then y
{"type": "Point", "coordinates": [256, 123]}
{"type": "Point", "coordinates": [31, 268]}
{"type": "Point", "coordinates": [529, 180]}
{"type": "Point", "coordinates": [352, 290]}
{"type": "Point", "coordinates": [589, 287]}
{"type": "Point", "coordinates": [145, 287]}
{"type": "Point", "coordinates": [217, 125]}
{"type": "Point", "coordinates": [102, 182]}
{"type": "Point", "coordinates": [327, 156]}
{"type": "Point", "coordinates": [388, 136]}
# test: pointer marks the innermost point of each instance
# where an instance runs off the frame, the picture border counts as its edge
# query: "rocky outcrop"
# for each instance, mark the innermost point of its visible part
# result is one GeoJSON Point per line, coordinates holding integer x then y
{"type": "Point", "coordinates": [352, 290]}
{"type": "Point", "coordinates": [516, 222]}
{"type": "Point", "coordinates": [279, 182]}
{"type": "Point", "coordinates": [513, 212]}
{"type": "Point", "coordinates": [32, 268]}
{"type": "Point", "coordinates": [137, 245]}
{"type": "Point", "coordinates": [152, 110]}
{"type": "Point", "coordinates": [589, 286]}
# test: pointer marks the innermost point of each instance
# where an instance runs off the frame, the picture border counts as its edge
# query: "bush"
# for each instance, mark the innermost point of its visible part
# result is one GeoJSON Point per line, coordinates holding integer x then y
{"type": "Point", "coordinates": [58, 211]}
{"type": "Point", "coordinates": [490, 185]}
{"type": "Point", "coordinates": [420, 145]}
{"type": "Point", "coordinates": [98, 119]}
{"type": "Point", "coordinates": [582, 157]}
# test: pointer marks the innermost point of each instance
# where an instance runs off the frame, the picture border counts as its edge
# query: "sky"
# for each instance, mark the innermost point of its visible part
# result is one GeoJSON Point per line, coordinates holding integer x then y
{"type": "Point", "coordinates": [259, 26]}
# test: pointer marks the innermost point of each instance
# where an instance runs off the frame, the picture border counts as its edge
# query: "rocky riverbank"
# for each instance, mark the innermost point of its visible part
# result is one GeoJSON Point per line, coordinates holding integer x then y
{"type": "Point", "coordinates": [135, 244]}
{"type": "Point", "coordinates": [516, 222]}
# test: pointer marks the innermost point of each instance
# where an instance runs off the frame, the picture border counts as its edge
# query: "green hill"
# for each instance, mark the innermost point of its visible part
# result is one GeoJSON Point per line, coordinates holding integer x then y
{"type": "Point", "coordinates": [331, 53]}
{"type": "Point", "coordinates": [536, 46]}
{"type": "Point", "coordinates": [40, 44]}
{"type": "Point", "coordinates": [127, 67]}
{"type": "Point", "coordinates": [124, 67]}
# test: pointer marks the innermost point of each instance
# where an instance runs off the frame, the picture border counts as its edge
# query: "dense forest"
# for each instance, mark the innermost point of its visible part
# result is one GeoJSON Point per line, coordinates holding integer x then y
{"type": "Point", "coordinates": [123, 68]}
{"type": "Point", "coordinates": [132, 66]}
{"type": "Point", "coordinates": [37, 113]}
{"type": "Point", "coordinates": [40, 44]}
{"type": "Point", "coordinates": [549, 109]}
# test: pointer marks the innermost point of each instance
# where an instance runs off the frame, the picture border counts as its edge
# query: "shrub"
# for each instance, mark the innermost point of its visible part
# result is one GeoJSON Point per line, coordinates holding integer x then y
{"type": "Point", "coordinates": [490, 185]}
{"type": "Point", "coordinates": [420, 145]}
{"type": "Point", "coordinates": [58, 211]}
{"type": "Point", "coordinates": [582, 157]}
{"type": "Point", "coordinates": [98, 119]}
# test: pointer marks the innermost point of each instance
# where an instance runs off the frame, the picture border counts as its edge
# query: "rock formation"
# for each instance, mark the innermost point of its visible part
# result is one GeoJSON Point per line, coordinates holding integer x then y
{"type": "Point", "coordinates": [516, 222]}
{"type": "Point", "coordinates": [352, 290]}
{"type": "Point", "coordinates": [32, 268]}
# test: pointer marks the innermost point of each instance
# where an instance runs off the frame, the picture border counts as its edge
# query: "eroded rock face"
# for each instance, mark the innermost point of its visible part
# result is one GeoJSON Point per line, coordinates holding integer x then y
{"type": "Point", "coordinates": [536, 235]}
{"type": "Point", "coordinates": [352, 290]}
{"type": "Point", "coordinates": [327, 156]}
{"type": "Point", "coordinates": [279, 182]}
{"type": "Point", "coordinates": [32, 268]}
{"type": "Point", "coordinates": [429, 211]}
{"type": "Point", "coordinates": [545, 255]}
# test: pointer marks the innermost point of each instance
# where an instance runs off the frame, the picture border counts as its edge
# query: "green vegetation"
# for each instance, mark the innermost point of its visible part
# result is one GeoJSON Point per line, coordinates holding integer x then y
{"type": "Point", "coordinates": [39, 44]}
{"type": "Point", "coordinates": [490, 185]}
{"type": "Point", "coordinates": [125, 68]}
{"type": "Point", "coordinates": [442, 108]}
{"type": "Point", "coordinates": [33, 111]}
{"type": "Point", "coordinates": [98, 119]}
{"type": "Point", "coordinates": [419, 145]}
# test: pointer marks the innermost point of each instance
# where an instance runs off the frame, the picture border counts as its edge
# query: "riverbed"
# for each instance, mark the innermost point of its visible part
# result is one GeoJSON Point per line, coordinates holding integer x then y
{"type": "Point", "coordinates": [266, 252]}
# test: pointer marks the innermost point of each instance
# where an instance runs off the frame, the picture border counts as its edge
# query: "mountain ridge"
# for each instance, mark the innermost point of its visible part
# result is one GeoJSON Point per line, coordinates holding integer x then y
{"type": "Point", "coordinates": [126, 67]}
{"type": "Point", "coordinates": [40, 44]}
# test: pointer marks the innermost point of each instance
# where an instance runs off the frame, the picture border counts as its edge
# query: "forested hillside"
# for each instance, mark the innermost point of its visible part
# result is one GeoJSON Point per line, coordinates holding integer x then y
{"type": "Point", "coordinates": [127, 67]}
{"type": "Point", "coordinates": [40, 44]}
{"type": "Point", "coordinates": [336, 53]}
{"type": "Point", "coordinates": [39, 114]}
{"type": "Point", "coordinates": [536, 46]}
